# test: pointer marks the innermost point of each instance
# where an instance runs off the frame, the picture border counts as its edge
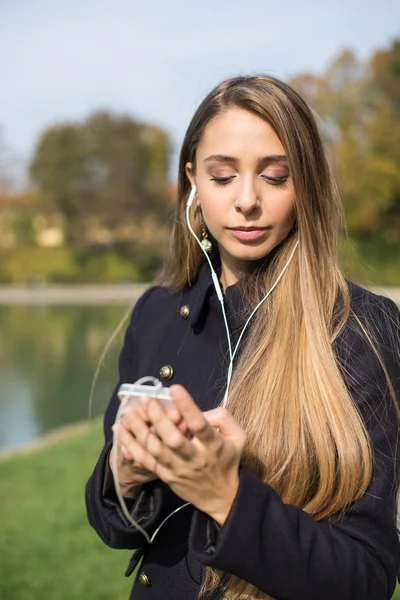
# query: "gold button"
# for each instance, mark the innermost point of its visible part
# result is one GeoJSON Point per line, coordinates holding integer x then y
{"type": "Point", "coordinates": [144, 580]}
{"type": "Point", "coordinates": [166, 372]}
{"type": "Point", "coordinates": [184, 311]}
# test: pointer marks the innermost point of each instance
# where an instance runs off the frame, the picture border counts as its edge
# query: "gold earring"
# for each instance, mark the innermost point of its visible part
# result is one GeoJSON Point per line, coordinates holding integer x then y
{"type": "Point", "coordinates": [205, 242]}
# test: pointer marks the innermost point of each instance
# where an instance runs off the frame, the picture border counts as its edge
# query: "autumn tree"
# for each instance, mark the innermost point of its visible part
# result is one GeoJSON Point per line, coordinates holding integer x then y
{"type": "Point", "coordinates": [359, 104]}
{"type": "Point", "coordinates": [105, 173]}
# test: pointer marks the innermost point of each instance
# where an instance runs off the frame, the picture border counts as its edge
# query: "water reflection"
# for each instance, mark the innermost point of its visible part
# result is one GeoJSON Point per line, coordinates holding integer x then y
{"type": "Point", "coordinates": [48, 356]}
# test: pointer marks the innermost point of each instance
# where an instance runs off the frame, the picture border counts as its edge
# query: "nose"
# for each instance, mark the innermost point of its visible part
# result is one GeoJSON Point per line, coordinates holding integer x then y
{"type": "Point", "coordinates": [247, 199]}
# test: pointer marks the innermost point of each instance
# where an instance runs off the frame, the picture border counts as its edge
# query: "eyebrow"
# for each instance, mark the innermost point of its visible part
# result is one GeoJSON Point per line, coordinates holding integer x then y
{"type": "Point", "coordinates": [261, 161]}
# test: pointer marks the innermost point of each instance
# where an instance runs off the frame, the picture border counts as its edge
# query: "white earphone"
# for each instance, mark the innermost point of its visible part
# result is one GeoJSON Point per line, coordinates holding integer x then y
{"type": "Point", "coordinates": [232, 355]}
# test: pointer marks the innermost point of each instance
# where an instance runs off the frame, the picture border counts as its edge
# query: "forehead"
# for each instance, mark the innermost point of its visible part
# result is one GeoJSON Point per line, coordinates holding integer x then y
{"type": "Point", "coordinates": [238, 132]}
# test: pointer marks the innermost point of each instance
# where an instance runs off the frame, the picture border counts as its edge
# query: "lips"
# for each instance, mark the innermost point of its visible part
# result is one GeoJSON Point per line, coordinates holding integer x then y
{"type": "Point", "coordinates": [248, 228]}
{"type": "Point", "coordinates": [248, 233]}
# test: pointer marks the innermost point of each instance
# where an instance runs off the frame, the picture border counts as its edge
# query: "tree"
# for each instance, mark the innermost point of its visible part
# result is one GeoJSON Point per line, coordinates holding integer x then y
{"type": "Point", "coordinates": [104, 173]}
{"type": "Point", "coordinates": [359, 104]}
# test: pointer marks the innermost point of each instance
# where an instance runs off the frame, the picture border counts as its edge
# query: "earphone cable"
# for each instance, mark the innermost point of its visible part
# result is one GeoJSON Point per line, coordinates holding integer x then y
{"type": "Point", "coordinates": [232, 355]}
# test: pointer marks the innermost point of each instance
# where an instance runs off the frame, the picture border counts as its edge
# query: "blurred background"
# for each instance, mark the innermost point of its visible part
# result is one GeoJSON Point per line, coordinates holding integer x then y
{"type": "Point", "coordinates": [96, 97]}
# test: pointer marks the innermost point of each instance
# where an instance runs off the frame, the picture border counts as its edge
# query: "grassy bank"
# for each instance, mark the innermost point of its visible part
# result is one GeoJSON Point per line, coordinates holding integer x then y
{"type": "Point", "coordinates": [47, 549]}
{"type": "Point", "coordinates": [371, 261]}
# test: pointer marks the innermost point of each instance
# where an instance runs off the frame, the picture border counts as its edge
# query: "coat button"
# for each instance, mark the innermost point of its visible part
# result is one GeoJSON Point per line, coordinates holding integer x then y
{"type": "Point", "coordinates": [166, 372]}
{"type": "Point", "coordinates": [184, 311]}
{"type": "Point", "coordinates": [144, 580]}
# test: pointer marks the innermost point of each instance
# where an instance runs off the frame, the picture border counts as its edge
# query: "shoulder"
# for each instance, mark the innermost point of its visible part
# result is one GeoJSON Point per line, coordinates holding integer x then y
{"type": "Point", "coordinates": [378, 315]}
{"type": "Point", "coordinates": [368, 347]}
{"type": "Point", "coordinates": [154, 298]}
{"type": "Point", "coordinates": [366, 303]}
{"type": "Point", "coordinates": [157, 305]}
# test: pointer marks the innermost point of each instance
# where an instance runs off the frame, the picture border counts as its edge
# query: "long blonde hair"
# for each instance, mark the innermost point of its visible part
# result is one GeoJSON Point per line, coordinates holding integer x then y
{"type": "Point", "coordinates": [305, 436]}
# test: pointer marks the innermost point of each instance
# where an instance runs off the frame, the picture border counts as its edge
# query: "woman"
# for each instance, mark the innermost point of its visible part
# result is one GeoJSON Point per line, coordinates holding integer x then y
{"type": "Point", "coordinates": [290, 476]}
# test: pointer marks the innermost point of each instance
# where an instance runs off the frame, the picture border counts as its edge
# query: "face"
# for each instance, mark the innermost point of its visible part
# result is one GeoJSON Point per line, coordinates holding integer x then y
{"type": "Point", "coordinates": [243, 186]}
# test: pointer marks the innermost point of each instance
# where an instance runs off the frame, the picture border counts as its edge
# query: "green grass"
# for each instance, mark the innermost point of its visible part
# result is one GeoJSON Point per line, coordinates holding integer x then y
{"type": "Point", "coordinates": [47, 548]}
{"type": "Point", "coordinates": [48, 551]}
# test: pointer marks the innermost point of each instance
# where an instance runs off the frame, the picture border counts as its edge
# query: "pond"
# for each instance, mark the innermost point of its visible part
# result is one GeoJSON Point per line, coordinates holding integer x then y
{"type": "Point", "coordinates": [48, 357]}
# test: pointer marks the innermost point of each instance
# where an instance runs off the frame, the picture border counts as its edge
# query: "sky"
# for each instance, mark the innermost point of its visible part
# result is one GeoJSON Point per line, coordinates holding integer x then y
{"type": "Point", "coordinates": [60, 61]}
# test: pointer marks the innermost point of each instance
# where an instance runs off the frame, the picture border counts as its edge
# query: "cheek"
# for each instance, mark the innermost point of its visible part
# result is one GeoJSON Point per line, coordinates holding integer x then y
{"type": "Point", "coordinates": [283, 209]}
{"type": "Point", "coordinates": [212, 209]}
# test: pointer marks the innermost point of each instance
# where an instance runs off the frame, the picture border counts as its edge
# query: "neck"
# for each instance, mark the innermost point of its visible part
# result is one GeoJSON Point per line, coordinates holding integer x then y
{"type": "Point", "coordinates": [231, 270]}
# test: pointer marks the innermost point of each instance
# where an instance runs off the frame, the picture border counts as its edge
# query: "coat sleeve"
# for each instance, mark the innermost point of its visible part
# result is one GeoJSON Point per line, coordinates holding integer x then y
{"type": "Point", "coordinates": [286, 553]}
{"type": "Point", "coordinates": [103, 510]}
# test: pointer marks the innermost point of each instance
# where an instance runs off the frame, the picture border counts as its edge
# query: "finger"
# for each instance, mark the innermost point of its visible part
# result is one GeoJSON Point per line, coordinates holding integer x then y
{"type": "Point", "coordinates": [182, 426]}
{"type": "Point", "coordinates": [220, 418]}
{"type": "Point", "coordinates": [169, 408]}
{"type": "Point", "coordinates": [140, 456]}
{"type": "Point", "coordinates": [124, 439]}
{"type": "Point", "coordinates": [149, 462]}
{"type": "Point", "coordinates": [138, 407]}
{"type": "Point", "coordinates": [141, 430]}
{"type": "Point", "coordinates": [168, 432]}
{"type": "Point", "coordinates": [122, 453]}
{"type": "Point", "coordinates": [149, 438]}
{"type": "Point", "coordinates": [196, 422]}
{"type": "Point", "coordinates": [172, 412]}
{"type": "Point", "coordinates": [131, 413]}
{"type": "Point", "coordinates": [125, 453]}
{"type": "Point", "coordinates": [155, 448]}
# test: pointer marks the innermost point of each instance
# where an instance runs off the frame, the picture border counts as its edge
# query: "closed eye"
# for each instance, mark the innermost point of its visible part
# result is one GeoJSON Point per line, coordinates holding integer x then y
{"type": "Point", "coordinates": [276, 180]}
{"type": "Point", "coordinates": [222, 180]}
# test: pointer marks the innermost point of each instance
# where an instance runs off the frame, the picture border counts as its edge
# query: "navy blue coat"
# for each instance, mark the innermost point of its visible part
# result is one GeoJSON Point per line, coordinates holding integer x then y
{"type": "Point", "coordinates": [276, 547]}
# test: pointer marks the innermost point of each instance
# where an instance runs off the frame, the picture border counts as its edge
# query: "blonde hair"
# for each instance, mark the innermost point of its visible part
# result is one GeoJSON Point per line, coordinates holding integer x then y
{"type": "Point", "coordinates": [305, 436]}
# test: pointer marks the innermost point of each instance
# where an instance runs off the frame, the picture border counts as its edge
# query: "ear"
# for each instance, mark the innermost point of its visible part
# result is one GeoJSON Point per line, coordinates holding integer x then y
{"type": "Point", "coordinates": [189, 173]}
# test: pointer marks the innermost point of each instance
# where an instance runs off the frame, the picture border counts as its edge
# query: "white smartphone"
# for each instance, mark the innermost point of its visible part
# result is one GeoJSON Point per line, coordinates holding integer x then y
{"type": "Point", "coordinates": [133, 392]}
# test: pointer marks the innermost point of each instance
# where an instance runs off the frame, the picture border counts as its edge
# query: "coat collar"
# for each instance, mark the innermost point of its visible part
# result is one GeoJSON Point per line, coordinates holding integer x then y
{"type": "Point", "coordinates": [203, 288]}
{"type": "Point", "coordinates": [200, 292]}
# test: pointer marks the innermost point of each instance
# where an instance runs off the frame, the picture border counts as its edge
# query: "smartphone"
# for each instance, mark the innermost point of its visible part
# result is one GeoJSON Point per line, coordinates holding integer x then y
{"type": "Point", "coordinates": [133, 392]}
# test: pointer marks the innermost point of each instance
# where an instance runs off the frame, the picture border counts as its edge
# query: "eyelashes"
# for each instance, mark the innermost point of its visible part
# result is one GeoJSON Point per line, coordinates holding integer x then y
{"type": "Point", "coordinates": [221, 181]}
{"type": "Point", "coordinates": [275, 181]}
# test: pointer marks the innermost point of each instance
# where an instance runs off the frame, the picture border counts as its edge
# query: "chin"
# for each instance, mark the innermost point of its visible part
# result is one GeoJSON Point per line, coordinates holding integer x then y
{"type": "Point", "coordinates": [250, 256]}
{"type": "Point", "coordinates": [253, 253]}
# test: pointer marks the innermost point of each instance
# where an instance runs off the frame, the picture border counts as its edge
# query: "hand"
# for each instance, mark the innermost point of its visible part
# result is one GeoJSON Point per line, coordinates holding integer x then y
{"type": "Point", "coordinates": [203, 470]}
{"type": "Point", "coordinates": [131, 474]}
